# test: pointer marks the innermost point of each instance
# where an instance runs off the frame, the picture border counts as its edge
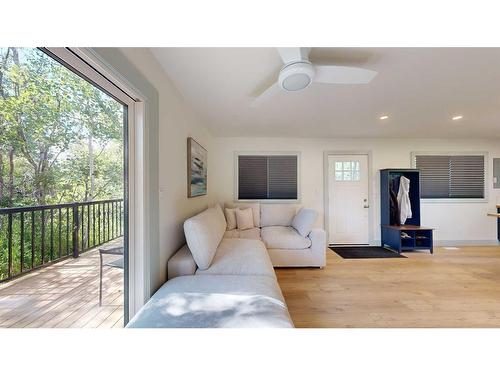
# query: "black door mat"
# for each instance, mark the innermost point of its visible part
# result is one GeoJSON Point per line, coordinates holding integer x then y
{"type": "Point", "coordinates": [365, 252]}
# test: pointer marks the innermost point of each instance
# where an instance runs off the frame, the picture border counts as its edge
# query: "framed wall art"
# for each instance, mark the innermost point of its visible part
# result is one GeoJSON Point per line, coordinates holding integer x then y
{"type": "Point", "coordinates": [197, 169]}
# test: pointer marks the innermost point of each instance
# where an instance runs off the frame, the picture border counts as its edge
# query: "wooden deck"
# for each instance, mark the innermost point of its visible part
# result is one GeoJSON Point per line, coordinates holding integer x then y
{"type": "Point", "coordinates": [65, 295]}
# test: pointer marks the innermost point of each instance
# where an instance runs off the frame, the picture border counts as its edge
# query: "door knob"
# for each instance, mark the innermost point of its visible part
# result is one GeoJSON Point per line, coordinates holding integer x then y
{"type": "Point", "coordinates": [366, 205]}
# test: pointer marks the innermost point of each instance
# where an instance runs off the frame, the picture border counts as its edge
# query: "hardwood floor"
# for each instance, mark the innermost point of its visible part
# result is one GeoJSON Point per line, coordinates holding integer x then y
{"type": "Point", "coordinates": [64, 295]}
{"type": "Point", "coordinates": [452, 288]}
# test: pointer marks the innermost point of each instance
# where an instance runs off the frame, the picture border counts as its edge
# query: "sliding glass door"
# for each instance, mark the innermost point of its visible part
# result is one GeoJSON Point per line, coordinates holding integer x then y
{"type": "Point", "coordinates": [64, 187]}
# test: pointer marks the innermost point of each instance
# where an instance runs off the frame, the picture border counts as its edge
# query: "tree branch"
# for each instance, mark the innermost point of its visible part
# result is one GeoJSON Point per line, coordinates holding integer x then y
{"type": "Point", "coordinates": [24, 150]}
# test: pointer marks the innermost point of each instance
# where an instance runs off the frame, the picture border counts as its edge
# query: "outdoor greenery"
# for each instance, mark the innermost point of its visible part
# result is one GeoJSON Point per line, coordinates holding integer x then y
{"type": "Point", "coordinates": [60, 141]}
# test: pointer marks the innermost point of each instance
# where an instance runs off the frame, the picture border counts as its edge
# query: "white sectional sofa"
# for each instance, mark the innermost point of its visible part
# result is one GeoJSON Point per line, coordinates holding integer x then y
{"type": "Point", "coordinates": [286, 247]}
{"type": "Point", "coordinates": [226, 279]}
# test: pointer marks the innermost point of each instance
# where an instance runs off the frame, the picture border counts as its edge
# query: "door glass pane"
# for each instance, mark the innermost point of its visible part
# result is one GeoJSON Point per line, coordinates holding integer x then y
{"type": "Point", "coordinates": [347, 171]}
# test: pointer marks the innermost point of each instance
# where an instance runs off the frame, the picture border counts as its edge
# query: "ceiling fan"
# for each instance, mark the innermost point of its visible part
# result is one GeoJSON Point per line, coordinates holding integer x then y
{"type": "Point", "coordinates": [298, 73]}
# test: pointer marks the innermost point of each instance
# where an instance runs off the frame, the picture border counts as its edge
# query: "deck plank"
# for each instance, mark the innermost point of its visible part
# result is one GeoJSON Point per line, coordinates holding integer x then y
{"type": "Point", "coordinates": [64, 295]}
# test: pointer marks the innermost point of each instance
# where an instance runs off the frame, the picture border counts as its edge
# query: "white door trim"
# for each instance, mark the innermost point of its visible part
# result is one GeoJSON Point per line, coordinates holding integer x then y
{"type": "Point", "coordinates": [326, 189]}
{"type": "Point", "coordinates": [91, 66]}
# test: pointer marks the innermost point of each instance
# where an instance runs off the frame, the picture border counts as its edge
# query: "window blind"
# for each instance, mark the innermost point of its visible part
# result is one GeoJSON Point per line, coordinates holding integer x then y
{"type": "Point", "coordinates": [252, 177]}
{"type": "Point", "coordinates": [282, 177]}
{"type": "Point", "coordinates": [467, 176]}
{"type": "Point", "coordinates": [267, 177]}
{"type": "Point", "coordinates": [434, 175]}
{"type": "Point", "coordinates": [451, 176]}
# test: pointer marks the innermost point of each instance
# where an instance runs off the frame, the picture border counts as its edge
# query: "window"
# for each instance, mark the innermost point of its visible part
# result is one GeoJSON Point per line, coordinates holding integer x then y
{"type": "Point", "coordinates": [267, 176]}
{"type": "Point", "coordinates": [347, 171]}
{"type": "Point", "coordinates": [451, 176]}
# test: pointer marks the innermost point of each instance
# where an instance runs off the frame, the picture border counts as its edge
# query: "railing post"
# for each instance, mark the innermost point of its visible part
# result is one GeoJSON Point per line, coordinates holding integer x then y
{"type": "Point", "coordinates": [9, 245]}
{"type": "Point", "coordinates": [76, 226]}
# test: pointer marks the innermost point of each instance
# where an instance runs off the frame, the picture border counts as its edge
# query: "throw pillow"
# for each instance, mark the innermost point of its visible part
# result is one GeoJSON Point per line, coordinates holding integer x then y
{"type": "Point", "coordinates": [231, 218]}
{"type": "Point", "coordinates": [244, 219]}
{"type": "Point", "coordinates": [304, 221]}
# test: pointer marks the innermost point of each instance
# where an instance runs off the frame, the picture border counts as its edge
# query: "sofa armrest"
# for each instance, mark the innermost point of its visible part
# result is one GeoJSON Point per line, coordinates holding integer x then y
{"type": "Point", "coordinates": [181, 264]}
{"type": "Point", "coordinates": [318, 246]}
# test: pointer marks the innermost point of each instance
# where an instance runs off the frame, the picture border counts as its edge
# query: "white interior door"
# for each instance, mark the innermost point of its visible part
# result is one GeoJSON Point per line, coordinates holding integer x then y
{"type": "Point", "coordinates": [348, 199]}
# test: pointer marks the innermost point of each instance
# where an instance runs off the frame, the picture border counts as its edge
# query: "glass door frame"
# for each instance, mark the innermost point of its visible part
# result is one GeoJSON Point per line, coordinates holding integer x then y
{"type": "Point", "coordinates": [87, 65]}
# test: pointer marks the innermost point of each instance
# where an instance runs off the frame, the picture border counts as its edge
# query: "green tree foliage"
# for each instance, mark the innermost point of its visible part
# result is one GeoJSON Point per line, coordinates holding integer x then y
{"type": "Point", "coordinates": [61, 141]}
{"type": "Point", "coordinates": [60, 137]}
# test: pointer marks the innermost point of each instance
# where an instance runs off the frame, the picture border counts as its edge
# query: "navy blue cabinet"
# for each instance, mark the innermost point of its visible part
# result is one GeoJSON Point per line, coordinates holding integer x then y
{"type": "Point", "coordinates": [410, 236]}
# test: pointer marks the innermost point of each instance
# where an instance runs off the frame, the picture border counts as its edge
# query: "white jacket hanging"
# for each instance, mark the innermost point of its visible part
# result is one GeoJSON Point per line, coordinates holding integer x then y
{"type": "Point", "coordinates": [404, 199]}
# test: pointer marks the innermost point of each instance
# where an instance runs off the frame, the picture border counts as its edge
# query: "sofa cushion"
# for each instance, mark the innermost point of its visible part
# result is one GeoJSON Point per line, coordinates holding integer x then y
{"type": "Point", "coordinates": [272, 214]}
{"type": "Point", "coordinates": [255, 210]}
{"type": "Point", "coordinates": [251, 234]}
{"type": "Point", "coordinates": [230, 218]}
{"type": "Point", "coordinates": [203, 234]}
{"type": "Point", "coordinates": [208, 301]}
{"type": "Point", "coordinates": [235, 233]}
{"type": "Point", "coordinates": [279, 237]}
{"type": "Point", "coordinates": [240, 257]}
{"type": "Point", "coordinates": [304, 220]}
{"type": "Point", "coordinates": [244, 219]}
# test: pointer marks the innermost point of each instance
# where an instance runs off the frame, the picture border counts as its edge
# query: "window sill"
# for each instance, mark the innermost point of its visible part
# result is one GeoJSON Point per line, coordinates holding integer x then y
{"type": "Point", "coordinates": [269, 200]}
{"type": "Point", "coordinates": [453, 200]}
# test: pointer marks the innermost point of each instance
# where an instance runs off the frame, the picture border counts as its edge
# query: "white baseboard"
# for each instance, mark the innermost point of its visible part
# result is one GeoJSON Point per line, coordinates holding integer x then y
{"type": "Point", "coordinates": [455, 243]}
{"type": "Point", "coordinates": [466, 243]}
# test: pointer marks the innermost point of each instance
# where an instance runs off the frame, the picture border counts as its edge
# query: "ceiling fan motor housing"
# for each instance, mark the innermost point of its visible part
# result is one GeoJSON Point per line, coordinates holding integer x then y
{"type": "Point", "coordinates": [296, 76]}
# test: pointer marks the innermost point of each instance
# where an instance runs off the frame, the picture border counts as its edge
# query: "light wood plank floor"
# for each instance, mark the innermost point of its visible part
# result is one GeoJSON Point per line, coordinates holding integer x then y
{"type": "Point", "coordinates": [65, 295]}
{"type": "Point", "coordinates": [452, 288]}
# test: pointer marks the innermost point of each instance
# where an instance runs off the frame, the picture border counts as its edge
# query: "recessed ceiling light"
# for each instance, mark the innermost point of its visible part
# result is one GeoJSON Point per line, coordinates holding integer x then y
{"type": "Point", "coordinates": [384, 117]}
{"type": "Point", "coordinates": [457, 117]}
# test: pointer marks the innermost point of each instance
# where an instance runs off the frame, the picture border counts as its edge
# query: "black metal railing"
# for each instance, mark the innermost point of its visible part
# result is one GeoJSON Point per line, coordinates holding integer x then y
{"type": "Point", "coordinates": [33, 237]}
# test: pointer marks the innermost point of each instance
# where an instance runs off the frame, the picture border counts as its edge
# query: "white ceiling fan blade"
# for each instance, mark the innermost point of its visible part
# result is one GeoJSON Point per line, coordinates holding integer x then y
{"type": "Point", "coordinates": [266, 95]}
{"type": "Point", "coordinates": [291, 54]}
{"type": "Point", "coordinates": [343, 74]}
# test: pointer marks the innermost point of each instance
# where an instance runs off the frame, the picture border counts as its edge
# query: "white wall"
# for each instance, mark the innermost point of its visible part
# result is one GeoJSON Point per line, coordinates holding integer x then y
{"type": "Point", "coordinates": [177, 122]}
{"type": "Point", "coordinates": [454, 222]}
{"type": "Point", "coordinates": [171, 121]}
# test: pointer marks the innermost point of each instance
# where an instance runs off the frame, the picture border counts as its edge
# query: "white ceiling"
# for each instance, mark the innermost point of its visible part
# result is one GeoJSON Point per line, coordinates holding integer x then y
{"type": "Point", "coordinates": [419, 88]}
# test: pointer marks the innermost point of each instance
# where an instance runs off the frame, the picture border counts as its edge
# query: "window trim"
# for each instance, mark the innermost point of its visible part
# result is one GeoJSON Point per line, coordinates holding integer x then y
{"type": "Point", "coordinates": [267, 153]}
{"type": "Point", "coordinates": [486, 156]}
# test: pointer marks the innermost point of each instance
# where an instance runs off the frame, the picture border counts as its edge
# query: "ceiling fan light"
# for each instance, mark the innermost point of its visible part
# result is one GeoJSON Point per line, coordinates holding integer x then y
{"type": "Point", "coordinates": [296, 82]}
{"type": "Point", "coordinates": [296, 76]}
